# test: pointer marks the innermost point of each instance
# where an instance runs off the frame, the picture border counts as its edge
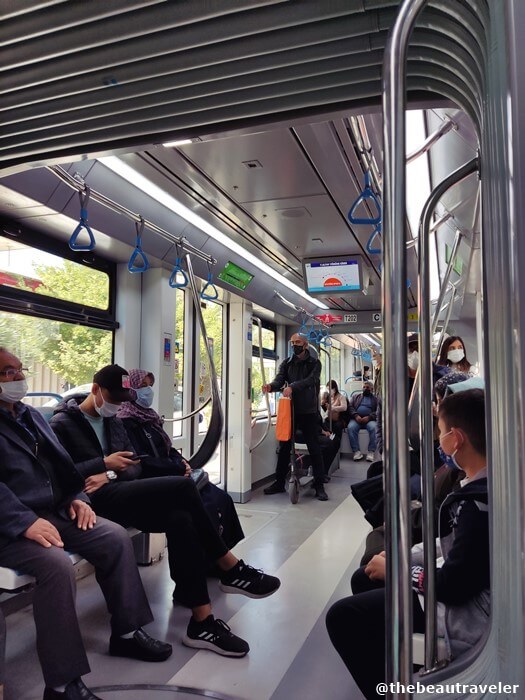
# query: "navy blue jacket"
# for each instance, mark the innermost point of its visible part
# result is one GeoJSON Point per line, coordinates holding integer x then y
{"type": "Point", "coordinates": [26, 484]}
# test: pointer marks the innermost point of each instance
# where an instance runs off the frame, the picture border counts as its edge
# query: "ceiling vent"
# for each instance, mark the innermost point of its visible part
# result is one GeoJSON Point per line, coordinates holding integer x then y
{"type": "Point", "coordinates": [294, 212]}
{"type": "Point", "coordinates": [251, 164]}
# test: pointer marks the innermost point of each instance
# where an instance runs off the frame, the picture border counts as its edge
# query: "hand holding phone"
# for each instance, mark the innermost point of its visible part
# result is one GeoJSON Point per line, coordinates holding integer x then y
{"type": "Point", "coordinates": [134, 457]}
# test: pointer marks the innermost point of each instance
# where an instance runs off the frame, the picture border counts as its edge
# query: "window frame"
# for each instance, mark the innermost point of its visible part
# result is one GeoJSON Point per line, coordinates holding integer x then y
{"type": "Point", "coordinates": [31, 304]}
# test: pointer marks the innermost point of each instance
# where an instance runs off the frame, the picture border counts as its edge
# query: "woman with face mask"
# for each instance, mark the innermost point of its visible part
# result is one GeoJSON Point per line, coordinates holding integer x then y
{"type": "Point", "coordinates": [453, 355]}
{"type": "Point", "coordinates": [145, 431]}
{"type": "Point", "coordinates": [337, 403]}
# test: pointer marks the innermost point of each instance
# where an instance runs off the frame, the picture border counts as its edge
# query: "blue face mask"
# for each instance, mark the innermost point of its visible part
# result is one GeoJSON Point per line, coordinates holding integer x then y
{"type": "Point", "coordinates": [448, 460]}
{"type": "Point", "coordinates": [144, 396]}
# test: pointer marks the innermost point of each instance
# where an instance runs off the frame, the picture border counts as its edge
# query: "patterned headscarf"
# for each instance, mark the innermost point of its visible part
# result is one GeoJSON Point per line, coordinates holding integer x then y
{"type": "Point", "coordinates": [131, 409]}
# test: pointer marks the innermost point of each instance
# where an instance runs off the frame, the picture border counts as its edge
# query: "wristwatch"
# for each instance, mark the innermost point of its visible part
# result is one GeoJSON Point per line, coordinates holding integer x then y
{"type": "Point", "coordinates": [111, 474]}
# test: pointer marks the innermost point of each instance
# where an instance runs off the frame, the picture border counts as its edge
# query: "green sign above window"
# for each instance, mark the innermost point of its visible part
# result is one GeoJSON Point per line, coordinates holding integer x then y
{"type": "Point", "coordinates": [235, 275]}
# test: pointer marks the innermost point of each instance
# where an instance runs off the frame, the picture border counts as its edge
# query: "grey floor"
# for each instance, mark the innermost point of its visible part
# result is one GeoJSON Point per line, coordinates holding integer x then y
{"type": "Point", "coordinates": [312, 546]}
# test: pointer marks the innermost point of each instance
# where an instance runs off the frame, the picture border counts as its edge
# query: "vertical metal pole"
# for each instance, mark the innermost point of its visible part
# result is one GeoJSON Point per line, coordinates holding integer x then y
{"type": "Point", "coordinates": [448, 271]}
{"type": "Point", "coordinates": [394, 307]}
{"type": "Point", "coordinates": [451, 303]}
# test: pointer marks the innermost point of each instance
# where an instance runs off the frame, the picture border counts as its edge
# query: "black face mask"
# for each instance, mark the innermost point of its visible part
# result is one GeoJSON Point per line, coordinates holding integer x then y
{"type": "Point", "coordinates": [366, 392]}
{"type": "Point", "coordinates": [298, 349]}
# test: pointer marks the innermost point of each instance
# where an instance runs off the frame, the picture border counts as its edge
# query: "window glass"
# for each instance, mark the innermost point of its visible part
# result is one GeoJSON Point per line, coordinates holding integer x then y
{"type": "Point", "coordinates": [258, 400]}
{"type": "Point", "coordinates": [213, 320]}
{"type": "Point", "coordinates": [61, 356]}
{"type": "Point", "coordinates": [32, 270]}
{"type": "Point", "coordinates": [268, 337]}
{"type": "Point", "coordinates": [178, 381]}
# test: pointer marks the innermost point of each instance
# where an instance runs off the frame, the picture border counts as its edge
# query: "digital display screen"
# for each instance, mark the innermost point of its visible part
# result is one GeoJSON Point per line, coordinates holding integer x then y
{"type": "Point", "coordinates": [332, 275]}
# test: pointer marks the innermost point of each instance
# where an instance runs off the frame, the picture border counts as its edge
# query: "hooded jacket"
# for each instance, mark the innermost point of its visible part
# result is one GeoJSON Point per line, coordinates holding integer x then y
{"type": "Point", "coordinates": [304, 376]}
{"type": "Point", "coordinates": [463, 580]}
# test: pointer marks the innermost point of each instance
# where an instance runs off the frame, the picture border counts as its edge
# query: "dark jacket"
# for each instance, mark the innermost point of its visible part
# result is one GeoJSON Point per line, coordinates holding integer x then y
{"type": "Point", "coordinates": [355, 402]}
{"type": "Point", "coordinates": [463, 581]}
{"type": "Point", "coordinates": [80, 440]}
{"type": "Point", "coordinates": [304, 376]}
{"type": "Point", "coordinates": [28, 473]}
{"type": "Point", "coordinates": [146, 439]}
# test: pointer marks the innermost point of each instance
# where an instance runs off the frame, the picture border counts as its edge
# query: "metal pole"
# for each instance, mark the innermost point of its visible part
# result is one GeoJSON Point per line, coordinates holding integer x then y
{"type": "Point", "coordinates": [446, 278]}
{"type": "Point", "coordinates": [447, 320]}
{"type": "Point", "coordinates": [425, 407]}
{"type": "Point", "coordinates": [433, 138]}
{"type": "Point", "coordinates": [394, 307]}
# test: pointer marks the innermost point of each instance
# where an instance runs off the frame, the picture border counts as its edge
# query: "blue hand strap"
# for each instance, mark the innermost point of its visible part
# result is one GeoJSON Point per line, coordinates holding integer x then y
{"type": "Point", "coordinates": [376, 233]}
{"type": "Point", "coordinates": [213, 292]}
{"type": "Point", "coordinates": [138, 254]}
{"type": "Point", "coordinates": [367, 193]}
{"type": "Point", "coordinates": [83, 224]}
{"type": "Point", "coordinates": [178, 271]}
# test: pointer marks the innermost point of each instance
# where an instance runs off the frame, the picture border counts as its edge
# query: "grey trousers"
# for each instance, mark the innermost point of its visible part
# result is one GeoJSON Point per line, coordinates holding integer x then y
{"type": "Point", "coordinates": [108, 547]}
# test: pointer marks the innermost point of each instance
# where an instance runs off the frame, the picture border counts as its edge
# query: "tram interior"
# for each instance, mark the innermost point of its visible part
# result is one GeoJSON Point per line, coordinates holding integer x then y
{"type": "Point", "coordinates": [264, 196]}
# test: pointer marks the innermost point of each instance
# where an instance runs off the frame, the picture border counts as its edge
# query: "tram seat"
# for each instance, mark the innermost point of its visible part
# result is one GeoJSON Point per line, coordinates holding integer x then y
{"type": "Point", "coordinates": [418, 648]}
{"type": "Point", "coordinates": [12, 581]}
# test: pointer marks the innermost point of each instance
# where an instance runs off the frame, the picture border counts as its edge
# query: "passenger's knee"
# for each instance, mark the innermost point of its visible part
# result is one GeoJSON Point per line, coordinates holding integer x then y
{"type": "Point", "coordinates": [55, 567]}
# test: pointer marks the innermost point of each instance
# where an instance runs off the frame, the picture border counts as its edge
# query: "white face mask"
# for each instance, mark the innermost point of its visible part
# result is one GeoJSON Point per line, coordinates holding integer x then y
{"type": "Point", "coordinates": [144, 396]}
{"type": "Point", "coordinates": [107, 410]}
{"type": "Point", "coordinates": [413, 360]}
{"type": "Point", "coordinates": [455, 355]}
{"type": "Point", "coordinates": [10, 392]}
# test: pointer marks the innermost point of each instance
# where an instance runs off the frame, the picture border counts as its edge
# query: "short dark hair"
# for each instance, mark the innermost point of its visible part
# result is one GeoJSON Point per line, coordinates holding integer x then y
{"type": "Point", "coordinates": [466, 411]}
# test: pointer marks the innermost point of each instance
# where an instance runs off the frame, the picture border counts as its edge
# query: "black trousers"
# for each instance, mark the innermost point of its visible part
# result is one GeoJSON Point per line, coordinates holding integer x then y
{"type": "Point", "coordinates": [108, 547]}
{"type": "Point", "coordinates": [356, 626]}
{"type": "Point", "coordinates": [308, 423]}
{"type": "Point", "coordinates": [169, 504]}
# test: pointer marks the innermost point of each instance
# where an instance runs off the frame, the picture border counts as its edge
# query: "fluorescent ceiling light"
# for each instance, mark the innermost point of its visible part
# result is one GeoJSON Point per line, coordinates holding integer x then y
{"type": "Point", "coordinates": [125, 171]}
{"type": "Point", "coordinates": [370, 339]}
{"type": "Point", "coordinates": [180, 142]}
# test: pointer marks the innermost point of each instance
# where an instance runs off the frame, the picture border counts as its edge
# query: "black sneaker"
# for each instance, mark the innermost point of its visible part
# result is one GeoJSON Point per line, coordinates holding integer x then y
{"type": "Point", "coordinates": [276, 487]}
{"type": "Point", "coordinates": [244, 579]}
{"type": "Point", "coordinates": [141, 646]}
{"type": "Point", "coordinates": [214, 635]}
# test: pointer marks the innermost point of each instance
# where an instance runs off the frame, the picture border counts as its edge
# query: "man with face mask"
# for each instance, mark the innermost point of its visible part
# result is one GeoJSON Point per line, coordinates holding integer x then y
{"type": "Point", "coordinates": [363, 409]}
{"type": "Point", "coordinates": [100, 447]}
{"type": "Point", "coordinates": [43, 511]}
{"type": "Point", "coordinates": [300, 376]}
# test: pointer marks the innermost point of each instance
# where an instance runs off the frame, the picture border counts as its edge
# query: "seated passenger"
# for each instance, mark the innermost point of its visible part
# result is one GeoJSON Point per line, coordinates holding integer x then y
{"type": "Point", "coordinates": [362, 411]}
{"type": "Point", "coordinates": [101, 450]}
{"type": "Point", "coordinates": [329, 442]}
{"type": "Point", "coordinates": [43, 511]}
{"type": "Point", "coordinates": [145, 431]}
{"type": "Point", "coordinates": [462, 580]}
{"type": "Point", "coordinates": [337, 406]}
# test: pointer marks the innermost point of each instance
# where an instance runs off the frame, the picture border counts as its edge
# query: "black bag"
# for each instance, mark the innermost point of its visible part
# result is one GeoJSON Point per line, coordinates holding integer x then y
{"type": "Point", "coordinates": [370, 496]}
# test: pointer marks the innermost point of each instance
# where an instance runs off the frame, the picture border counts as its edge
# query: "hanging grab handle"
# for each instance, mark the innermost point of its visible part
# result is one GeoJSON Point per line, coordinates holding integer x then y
{"type": "Point", "coordinates": [367, 193]}
{"type": "Point", "coordinates": [138, 253]}
{"type": "Point", "coordinates": [213, 292]}
{"type": "Point", "coordinates": [83, 224]}
{"type": "Point", "coordinates": [376, 233]}
{"type": "Point", "coordinates": [177, 270]}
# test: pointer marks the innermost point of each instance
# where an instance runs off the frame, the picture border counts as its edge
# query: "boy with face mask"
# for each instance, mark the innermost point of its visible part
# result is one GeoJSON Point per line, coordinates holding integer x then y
{"type": "Point", "coordinates": [462, 579]}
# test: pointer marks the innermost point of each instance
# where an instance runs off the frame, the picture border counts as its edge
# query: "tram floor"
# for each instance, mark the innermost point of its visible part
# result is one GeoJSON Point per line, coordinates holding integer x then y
{"type": "Point", "coordinates": [312, 546]}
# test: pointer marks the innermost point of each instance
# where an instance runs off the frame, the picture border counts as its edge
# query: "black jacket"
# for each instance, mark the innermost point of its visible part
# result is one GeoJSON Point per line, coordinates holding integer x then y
{"type": "Point", "coordinates": [146, 439]}
{"type": "Point", "coordinates": [304, 376]}
{"type": "Point", "coordinates": [78, 437]}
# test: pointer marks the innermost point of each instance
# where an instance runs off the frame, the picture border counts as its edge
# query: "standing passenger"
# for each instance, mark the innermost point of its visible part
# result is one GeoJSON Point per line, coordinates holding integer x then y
{"type": "Point", "coordinates": [453, 355]}
{"type": "Point", "coordinates": [43, 512]}
{"type": "Point", "coordinates": [301, 372]}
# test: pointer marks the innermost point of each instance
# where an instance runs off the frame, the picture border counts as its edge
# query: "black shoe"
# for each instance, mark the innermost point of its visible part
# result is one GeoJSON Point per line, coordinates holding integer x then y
{"type": "Point", "coordinates": [320, 493]}
{"type": "Point", "coordinates": [244, 579]}
{"type": "Point", "coordinates": [141, 646]}
{"type": "Point", "coordinates": [76, 690]}
{"type": "Point", "coordinates": [276, 487]}
{"type": "Point", "coordinates": [214, 635]}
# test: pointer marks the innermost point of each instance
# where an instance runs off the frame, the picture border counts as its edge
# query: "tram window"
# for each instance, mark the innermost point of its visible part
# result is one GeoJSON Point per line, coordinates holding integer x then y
{"type": "Point", "coordinates": [31, 270]}
{"type": "Point", "coordinates": [213, 320]}
{"type": "Point", "coordinates": [61, 356]}
{"type": "Point", "coordinates": [270, 369]}
{"type": "Point", "coordinates": [178, 380]}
